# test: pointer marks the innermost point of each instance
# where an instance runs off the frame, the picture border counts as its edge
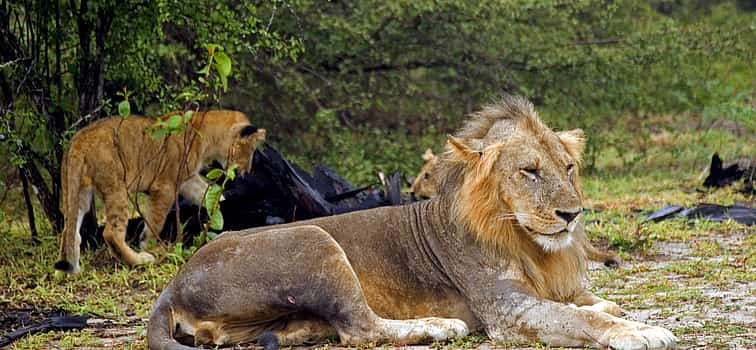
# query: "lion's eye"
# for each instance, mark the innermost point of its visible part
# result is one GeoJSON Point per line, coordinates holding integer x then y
{"type": "Point", "coordinates": [531, 173]}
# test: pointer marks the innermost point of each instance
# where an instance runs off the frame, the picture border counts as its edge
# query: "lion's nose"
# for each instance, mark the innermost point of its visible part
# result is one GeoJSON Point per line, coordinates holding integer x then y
{"type": "Point", "coordinates": [567, 216]}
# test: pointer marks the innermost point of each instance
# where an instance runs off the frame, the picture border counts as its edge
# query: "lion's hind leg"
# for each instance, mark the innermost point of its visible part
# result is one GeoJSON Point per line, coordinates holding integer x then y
{"type": "Point", "coordinates": [337, 297]}
{"type": "Point", "coordinates": [303, 331]}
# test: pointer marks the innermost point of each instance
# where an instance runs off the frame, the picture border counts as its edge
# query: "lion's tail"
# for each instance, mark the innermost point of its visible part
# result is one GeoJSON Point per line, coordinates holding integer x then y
{"type": "Point", "coordinates": [71, 176]}
{"type": "Point", "coordinates": [608, 258]}
{"type": "Point", "coordinates": [161, 325]}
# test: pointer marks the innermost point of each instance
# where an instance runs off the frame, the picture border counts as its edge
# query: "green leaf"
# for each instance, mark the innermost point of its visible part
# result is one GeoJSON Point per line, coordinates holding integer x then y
{"type": "Point", "coordinates": [231, 172]}
{"type": "Point", "coordinates": [174, 122]}
{"type": "Point", "coordinates": [216, 220]}
{"type": "Point", "coordinates": [211, 235]}
{"type": "Point", "coordinates": [124, 108]}
{"type": "Point", "coordinates": [214, 174]}
{"type": "Point", "coordinates": [222, 64]}
{"type": "Point", "coordinates": [159, 132]}
{"type": "Point", "coordinates": [212, 197]}
{"type": "Point", "coordinates": [186, 96]}
{"type": "Point", "coordinates": [212, 47]}
{"type": "Point", "coordinates": [188, 116]}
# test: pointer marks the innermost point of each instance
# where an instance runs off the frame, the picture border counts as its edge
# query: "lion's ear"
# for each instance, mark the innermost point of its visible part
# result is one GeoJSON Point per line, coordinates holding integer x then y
{"type": "Point", "coordinates": [428, 155]}
{"type": "Point", "coordinates": [248, 130]}
{"type": "Point", "coordinates": [462, 152]}
{"type": "Point", "coordinates": [574, 142]}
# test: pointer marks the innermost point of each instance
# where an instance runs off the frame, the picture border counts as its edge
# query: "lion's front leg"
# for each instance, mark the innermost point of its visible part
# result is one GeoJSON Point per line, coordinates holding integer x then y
{"type": "Point", "coordinates": [517, 314]}
{"type": "Point", "coordinates": [588, 301]}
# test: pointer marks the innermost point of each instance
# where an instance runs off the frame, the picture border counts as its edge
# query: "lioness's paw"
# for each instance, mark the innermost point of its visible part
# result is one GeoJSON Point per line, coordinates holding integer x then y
{"type": "Point", "coordinates": [145, 258]}
{"type": "Point", "coordinates": [638, 336]}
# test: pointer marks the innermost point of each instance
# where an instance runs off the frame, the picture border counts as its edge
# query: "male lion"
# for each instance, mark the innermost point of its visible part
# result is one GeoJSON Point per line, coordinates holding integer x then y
{"type": "Point", "coordinates": [425, 186]}
{"type": "Point", "coordinates": [500, 250]}
{"type": "Point", "coordinates": [118, 156]}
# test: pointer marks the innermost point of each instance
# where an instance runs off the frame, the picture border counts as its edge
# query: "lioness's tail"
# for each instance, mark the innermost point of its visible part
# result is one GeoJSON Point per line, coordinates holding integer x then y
{"type": "Point", "coordinates": [608, 258]}
{"type": "Point", "coordinates": [161, 325]}
{"type": "Point", "coordinates": [71, 170]}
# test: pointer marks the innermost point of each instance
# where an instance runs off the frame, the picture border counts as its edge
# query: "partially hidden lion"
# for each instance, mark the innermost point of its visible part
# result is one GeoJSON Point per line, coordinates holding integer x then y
{"type": "Point", "coordinates": [499, 250]}
{"type": "Point", "coordinates": [425, 185]}
{"type": "Point", "coordinates": [118, 156]}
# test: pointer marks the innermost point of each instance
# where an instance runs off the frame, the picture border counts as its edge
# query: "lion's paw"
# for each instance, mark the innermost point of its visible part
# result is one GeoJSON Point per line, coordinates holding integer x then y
{"type": "Point", "coordinates": [144, 258]}
{"type": "Point", "coordinates": [431, 328]}
{"type": "Point", "coordinates": [638, 336]}
{"type": "Point", "coordinates": [607, 306]}
{"type": "Point", "coordinates": [441, 329]}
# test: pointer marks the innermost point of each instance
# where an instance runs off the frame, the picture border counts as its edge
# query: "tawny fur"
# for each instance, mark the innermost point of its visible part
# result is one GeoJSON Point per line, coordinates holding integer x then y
{"type": "Point", "coordinates": [425, 186]}
{"type": "Point", "coordinates": [500, 249]}
{"type": "Point", "coordinates": [117, 157]}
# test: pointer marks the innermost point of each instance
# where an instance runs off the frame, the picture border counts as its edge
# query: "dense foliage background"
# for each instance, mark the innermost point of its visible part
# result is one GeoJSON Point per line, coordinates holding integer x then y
{"type": "Point", "coordinates": [365, 85]}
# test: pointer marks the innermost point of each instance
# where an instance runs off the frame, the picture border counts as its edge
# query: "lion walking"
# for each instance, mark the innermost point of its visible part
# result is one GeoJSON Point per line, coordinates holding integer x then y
{"type": "Point", "coordinates": [117, 157]}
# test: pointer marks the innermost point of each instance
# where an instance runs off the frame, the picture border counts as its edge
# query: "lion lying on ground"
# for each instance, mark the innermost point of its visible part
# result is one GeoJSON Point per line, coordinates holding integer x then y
{"type": "Point", "coordinates": [500, 250]}
{"type": "Point", "coordinates": [118, 156]}
{"type": "Point", "coordinates": [425, 186]}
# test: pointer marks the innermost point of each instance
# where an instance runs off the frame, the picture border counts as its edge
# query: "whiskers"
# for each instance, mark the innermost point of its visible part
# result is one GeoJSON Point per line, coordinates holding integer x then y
{"type": "Point", "coordinates": [507, 217]}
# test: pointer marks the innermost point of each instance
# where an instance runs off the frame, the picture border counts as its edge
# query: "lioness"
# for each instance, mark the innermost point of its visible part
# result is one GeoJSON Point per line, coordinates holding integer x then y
{"type": "Point", "coordinates": [118, 156]}
{"type": "Point", "coordinates": [500, 250]}
{"type": "Point", "coordinates": [424, 185]}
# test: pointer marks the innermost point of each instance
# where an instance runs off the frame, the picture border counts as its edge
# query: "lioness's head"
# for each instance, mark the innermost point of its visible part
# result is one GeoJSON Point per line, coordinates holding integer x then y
{"type": "Point", "coordinates": [245, 141]}
{"type": "Point", "coordinates": [425, 185]}
{"type": "Point", "coordinates": [508, 176]}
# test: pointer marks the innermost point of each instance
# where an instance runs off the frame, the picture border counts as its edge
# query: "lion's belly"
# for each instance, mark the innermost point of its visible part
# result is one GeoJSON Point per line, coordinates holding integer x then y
{"type": "Point", "coordinates": [398, 298]}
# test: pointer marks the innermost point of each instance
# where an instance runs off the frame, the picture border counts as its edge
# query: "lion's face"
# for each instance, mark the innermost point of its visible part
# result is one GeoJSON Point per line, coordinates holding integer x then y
{"type": "Point", "coordinates": [425, 184]}
{"type": "Point", "coordinates": [246, 139]}
{"type": "Point", "coordinates": [512, 171]}
{"type": "Point", "coordinates": [538, 185]}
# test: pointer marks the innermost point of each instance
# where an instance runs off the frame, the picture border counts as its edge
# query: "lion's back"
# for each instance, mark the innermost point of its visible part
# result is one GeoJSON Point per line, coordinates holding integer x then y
{"type": "Point", "coordinates": [106, 148]}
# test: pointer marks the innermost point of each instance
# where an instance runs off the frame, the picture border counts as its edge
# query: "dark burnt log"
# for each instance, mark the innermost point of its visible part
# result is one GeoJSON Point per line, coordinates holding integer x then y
{"type": "Point", "coordinates": [739, 212]}
{"type": "Point", "coordinates": [721, 175]}
{"type": "Point", "coordinates": [61, 322]}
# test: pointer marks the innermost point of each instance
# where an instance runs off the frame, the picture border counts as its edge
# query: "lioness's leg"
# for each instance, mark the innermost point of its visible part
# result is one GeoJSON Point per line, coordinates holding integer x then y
{"type": "Point", "coordinates": [159, 205]}
{"type": "Point", "coordinates": [117, 211]}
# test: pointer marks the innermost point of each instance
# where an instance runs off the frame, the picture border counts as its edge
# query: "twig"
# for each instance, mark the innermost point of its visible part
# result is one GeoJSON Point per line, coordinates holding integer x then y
{"type": "Point", "coordinates": [29, 207]}
{"type": "Point", "coordinates": [5, 64]}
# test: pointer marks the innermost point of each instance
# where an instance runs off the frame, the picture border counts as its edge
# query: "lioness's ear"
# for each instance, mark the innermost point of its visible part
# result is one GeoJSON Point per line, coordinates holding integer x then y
{"type": "Point", "coordinates": [574, 142]}
{"type": "Point", "coordinates": [461, 151]}
{"type": "Point", "coordinates": [428, 155]}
